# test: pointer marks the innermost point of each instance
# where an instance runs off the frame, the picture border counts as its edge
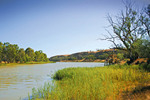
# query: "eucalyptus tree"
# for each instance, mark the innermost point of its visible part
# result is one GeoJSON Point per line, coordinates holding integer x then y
{"type": "Point", "coordinates": [10, 52]}
{"type": "Point", "coordinates": [45, 57]}
{"type": "Point", "coordinates": [38, 55]}
{"type": "Point", "coordinates": [128, 28]}
{"type": "Point", "coordinates": [1, 52]}
{"type": "Point", "coordinates": [30, 54]}
{"type": "Point", "coordinates": [21, 56]}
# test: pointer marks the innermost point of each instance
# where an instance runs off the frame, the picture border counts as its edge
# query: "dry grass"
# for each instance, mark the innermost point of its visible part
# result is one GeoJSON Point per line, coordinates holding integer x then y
{"type": "Point", "coordinates": [100, 83]}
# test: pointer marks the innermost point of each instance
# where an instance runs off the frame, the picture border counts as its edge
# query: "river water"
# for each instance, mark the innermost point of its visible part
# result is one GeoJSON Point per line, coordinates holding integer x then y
{"type": "Point", "coordinates": [17, 81]}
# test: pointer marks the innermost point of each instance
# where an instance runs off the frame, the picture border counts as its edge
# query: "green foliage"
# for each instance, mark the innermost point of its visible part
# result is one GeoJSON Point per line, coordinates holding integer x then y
{"type": "Point", "coordinates": [145, 66]}
{"type": "Point", "coordinates": [99, 83]}
{"type": "Point", "coordinates": [142, 48]}
{"type": "Point", "coordinates": [61, 74]}
{"type": "Point", "coordinates": [103, 56]}
{"type": "Point", "coordinates": [10, 53]}
{"type": "Point", "coordinates": [40, 56]}
{"type": "Point", "coordinates": [21, 57]}
{"type": "Point", "coordinates": [91, 57]}
{"type": "Point", "coordinates": [31, 54]}
{"type": "Point", "coordinates": [1, 51]}
{"type": "Point", "coordinates": [120, 56]}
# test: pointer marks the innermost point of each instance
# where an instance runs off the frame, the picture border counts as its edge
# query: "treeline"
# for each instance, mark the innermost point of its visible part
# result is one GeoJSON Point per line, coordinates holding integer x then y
{"type": "Point", "coordinates": [11, 53]}
{"type": "Point", "coordinates": [89, 56]}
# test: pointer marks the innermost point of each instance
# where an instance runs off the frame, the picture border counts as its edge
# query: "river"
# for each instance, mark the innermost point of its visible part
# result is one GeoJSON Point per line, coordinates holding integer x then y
{"type": "Point", "coordinates": [17, 81]}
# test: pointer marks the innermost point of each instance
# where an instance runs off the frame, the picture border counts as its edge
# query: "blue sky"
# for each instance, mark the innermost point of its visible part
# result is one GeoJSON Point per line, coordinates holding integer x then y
{"type": "Point", "coordinates": [57, 26]}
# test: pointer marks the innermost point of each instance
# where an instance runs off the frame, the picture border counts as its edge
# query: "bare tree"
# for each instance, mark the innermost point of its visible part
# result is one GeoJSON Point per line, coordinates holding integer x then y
{"type": "Point", "coordinates": [145, 19]}
{"type": "Point", "coordinates": [127, 28]}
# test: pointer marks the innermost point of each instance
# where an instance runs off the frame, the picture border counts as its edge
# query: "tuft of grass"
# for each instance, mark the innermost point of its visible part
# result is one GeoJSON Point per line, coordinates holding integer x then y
{"type": "Point", "coordinates": [97, 83]}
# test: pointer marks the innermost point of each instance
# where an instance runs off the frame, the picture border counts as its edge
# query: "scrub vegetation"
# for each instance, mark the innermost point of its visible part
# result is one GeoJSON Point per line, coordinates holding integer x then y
{"type": "Point", "coordinates": [89, 56]}
{"type": "Point", "coordinates": [99, 83]}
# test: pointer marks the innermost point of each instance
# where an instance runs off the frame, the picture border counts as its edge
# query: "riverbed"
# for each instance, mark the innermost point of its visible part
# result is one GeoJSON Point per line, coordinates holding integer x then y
{"type": "Point", "coordinates": [17, 81]}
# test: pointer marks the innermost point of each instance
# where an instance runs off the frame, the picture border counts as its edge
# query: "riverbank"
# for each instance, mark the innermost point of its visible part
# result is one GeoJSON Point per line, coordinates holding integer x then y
{"type": "Point", "coordinates": [96, 61]}
{"type": "Point", "coordinates": [17, 81]}
{"type": "Point", "coordinates": [13, 64]}
{"type": "Point", "coordinates": [99, 83]}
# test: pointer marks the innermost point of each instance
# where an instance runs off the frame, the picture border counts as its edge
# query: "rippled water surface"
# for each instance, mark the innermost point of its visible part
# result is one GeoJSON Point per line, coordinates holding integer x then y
{"type": "Point", "coordinates": [17, 81]}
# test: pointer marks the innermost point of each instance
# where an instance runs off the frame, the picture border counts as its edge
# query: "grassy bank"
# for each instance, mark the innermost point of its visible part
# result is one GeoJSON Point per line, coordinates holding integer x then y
{"type": "Point", "coordinates": [99, 83]}
{"type": "Point", "coordinates": [11, 64]}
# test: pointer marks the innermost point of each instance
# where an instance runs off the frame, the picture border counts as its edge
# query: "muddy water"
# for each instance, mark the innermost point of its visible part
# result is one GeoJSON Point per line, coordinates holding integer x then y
{"type": "Point", "coordinates": [17, 81]}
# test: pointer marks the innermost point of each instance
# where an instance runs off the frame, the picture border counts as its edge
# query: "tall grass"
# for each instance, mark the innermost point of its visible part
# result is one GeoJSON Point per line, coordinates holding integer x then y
{"type": "Point", "coordinates": [97, 83]}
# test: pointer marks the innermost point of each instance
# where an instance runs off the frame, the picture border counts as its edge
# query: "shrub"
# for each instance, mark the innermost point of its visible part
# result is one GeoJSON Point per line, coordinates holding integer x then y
{"type": "Point", "coordinates": [145, 66]}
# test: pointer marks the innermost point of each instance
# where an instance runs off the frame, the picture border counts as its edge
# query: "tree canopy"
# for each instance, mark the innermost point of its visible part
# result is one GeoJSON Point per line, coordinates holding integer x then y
{"type": "Point", "coordinates": [11, 53]}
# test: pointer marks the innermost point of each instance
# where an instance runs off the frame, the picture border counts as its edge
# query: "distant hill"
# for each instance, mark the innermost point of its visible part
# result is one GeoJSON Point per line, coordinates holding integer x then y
{"type": "Point", "coordinates": [89, 56]}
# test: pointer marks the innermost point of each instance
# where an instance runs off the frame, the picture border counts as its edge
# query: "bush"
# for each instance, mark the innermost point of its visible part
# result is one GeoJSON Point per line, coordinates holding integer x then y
{"type": "Point", "coordinates": [148, 67]}
{"type": "Point", "coordinates": [145, 66]}
{"type": "Point", "coordinates": [61, 74]}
